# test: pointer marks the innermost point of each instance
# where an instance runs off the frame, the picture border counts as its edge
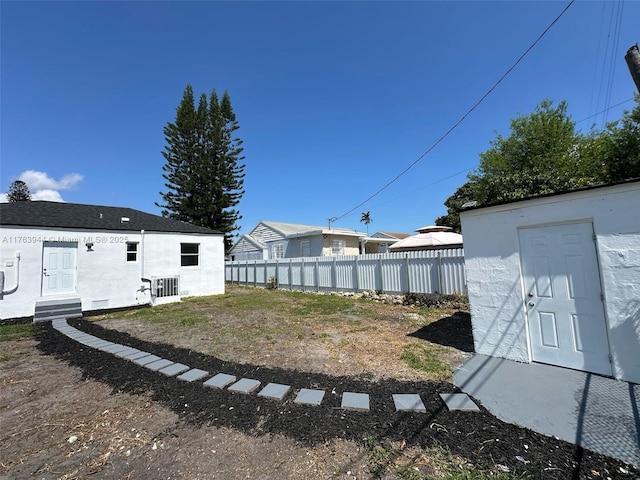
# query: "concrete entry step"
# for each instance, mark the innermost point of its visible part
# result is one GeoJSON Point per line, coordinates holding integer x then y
{"type": "Point", "coordinates": [57, 309]}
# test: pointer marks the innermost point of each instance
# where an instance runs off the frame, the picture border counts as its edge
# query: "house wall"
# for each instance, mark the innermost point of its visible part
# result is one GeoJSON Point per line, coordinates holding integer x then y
{"type": "Point", "coordinates": [104, 279]}
{"type": "Point", "coordinates": [495, 287]}
{"type": "Point", "coordinates": [351, 244]}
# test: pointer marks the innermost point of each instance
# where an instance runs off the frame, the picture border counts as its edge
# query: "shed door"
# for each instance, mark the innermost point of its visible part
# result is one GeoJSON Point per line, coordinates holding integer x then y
{"type": "Point", "coordinates": [563, 297]}
{"type": "Point", "coordinates": [59, 268]}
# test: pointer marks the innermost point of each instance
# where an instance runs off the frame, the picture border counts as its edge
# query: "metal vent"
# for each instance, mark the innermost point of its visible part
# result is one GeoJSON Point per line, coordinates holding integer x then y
{"type": "Point", "coordinates": [166, 286]}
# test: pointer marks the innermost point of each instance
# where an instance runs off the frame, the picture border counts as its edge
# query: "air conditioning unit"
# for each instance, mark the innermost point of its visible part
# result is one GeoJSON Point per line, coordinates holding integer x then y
{"type": "Point", "coordinates": [165, 286]}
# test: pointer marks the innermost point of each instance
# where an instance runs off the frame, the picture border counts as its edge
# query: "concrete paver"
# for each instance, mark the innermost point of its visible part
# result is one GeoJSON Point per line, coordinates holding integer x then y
{"type": "Point", "coordinates": [309, 396]}
{"type": "Point", "coordinates": [158, 364]}
{"type": "Point", "coordinates": [355, 401]}
{"type": "Point", "coordinates": [220, 380]}
{"type": "Point", "coordinates": [148, 359]}
{"type": "Point", "coordinates": [174, 369]}
{"type": "Point", "coordinates": [459, 401]}
{"type": "Point", "coordinates": [193, 375]}
{"type": "Point", "coordinates": [245, 385]}
{"type": "Point", "coordinates": [274, 390]}
{"type": "Point", "coordinates": [408, 402]}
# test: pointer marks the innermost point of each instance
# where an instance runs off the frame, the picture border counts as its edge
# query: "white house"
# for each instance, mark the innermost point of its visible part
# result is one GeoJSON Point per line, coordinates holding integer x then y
{"type": "Point", "coordinates": [269, 240]}
{"type": "Point", "coordinates": [60, 259]}
{"type": "Point", "coordinates": [556, 279]}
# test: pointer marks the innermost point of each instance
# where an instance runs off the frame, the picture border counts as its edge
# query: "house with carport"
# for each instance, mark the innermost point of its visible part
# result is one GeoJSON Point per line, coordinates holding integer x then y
{"type": "Point", "coordinates": [555, 279]}
{"type": "Point", "coordinates": [63, 259]}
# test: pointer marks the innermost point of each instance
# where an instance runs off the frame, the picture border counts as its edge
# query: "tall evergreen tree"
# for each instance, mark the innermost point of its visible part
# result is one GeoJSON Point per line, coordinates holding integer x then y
{"type": "Point", "coordinates": [203, 171]}
{"type": "Point", "coordinates": [18, 192]}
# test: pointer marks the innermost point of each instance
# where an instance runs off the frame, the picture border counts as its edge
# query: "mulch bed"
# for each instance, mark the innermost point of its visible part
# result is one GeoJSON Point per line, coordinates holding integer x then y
{"type": "Point", "coordinates": [479, 437]}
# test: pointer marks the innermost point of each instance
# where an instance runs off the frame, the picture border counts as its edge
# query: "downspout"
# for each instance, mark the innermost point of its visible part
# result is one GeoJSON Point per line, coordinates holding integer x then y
{"type": "Point", "coordinates": [12, 290]}
{"type": "Point", "coordinates": [142, 277]}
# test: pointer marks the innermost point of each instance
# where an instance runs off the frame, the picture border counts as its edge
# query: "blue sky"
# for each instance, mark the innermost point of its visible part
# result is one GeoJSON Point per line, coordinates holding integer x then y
{"type": "Point", "coordinates": [334, 99]}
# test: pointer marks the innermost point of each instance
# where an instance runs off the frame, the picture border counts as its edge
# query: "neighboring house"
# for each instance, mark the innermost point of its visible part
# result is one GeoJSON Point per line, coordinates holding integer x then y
{"type": "Point", "coordinates": [380, 242]}
{"type": "Point", "coordinates": [270, 240]}
{"type": "Point", "coordinates": [60, 259]}
{"type": "Point", "coordinates": [556, 279]}
{"type": "Point", "coordinates": [428, 238]}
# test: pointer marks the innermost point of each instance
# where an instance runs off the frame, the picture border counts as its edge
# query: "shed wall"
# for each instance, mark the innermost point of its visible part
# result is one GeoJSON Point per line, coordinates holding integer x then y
{"type": "Point", "coordinates": [492, 260]}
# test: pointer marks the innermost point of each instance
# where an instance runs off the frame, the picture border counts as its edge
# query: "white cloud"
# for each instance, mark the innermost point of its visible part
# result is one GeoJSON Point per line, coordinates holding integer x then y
{"type": "Point", "coordinates": [43, 187]}
{"type": "Point", "coordinates": [50, 195]}
{"type": "Point", "coordinates": [37, 181]}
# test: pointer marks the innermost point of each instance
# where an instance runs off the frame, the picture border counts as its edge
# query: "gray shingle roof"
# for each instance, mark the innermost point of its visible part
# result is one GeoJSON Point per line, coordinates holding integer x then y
{"type": "Point", "coordinates": [90, 217]}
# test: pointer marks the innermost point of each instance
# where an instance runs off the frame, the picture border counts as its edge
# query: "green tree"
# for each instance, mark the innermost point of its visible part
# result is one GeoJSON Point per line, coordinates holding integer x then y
{"type": "Point", "coordinates": [454, 203]}
{"type": "Point", "coordinates": [366, 219]}
{"type": "Point", "coordinates": [18, 192]}
{"type": "Point", "coordinates": [538, 156]}
{"type": "Point", "coordinates": [616, 149]}
{"type": "Point", "coordinates": [203, 170]}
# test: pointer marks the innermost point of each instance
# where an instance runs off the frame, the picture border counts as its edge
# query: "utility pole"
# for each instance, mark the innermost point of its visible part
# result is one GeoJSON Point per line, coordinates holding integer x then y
{"type": "Point", "coordinates": [633, 61]}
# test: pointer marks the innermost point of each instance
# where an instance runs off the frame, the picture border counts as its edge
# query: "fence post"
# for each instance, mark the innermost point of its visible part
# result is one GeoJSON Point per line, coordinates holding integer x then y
{"type": "Point", "coordinates": [440, 273]}
{"type": "Point", "coordinates": [381, 273]}
{"type": "Point", "coordinates": [266, 272]}
{"type": "Point", "coordinates": [317, 274]}
{"type": "Point", "coordinates": [255, 273]}
{"type": "Point", "coordinates": [406, 263]}
{"type": "Point", "coordinates": [357, 278]}
{"type": "Point", "coordinates": [334, 275]}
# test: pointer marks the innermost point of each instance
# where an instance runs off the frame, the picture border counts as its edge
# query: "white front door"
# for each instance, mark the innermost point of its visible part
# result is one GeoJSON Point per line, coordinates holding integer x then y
{"type": "Point", "coordinates": [563, 297]}
{"type": "Point", "coordinates": [59, 268]}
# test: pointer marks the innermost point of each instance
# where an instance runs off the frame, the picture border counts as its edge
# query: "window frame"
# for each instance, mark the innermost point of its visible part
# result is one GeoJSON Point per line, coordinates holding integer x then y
{"type": "Point", "coordinates": [186, 257]}
{"type": "Point", "coordinates": [305, 245]}
{"type": "Point", "coordinates": [277, 250]}
{"type": "Point", "coordinates": [133, 252]}
{"type": "Point", "coordinates": [340, 244]}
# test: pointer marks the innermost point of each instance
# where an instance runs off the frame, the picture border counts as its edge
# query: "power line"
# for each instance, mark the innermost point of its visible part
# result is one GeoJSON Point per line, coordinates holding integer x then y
{"type": "Point", "coordinates": [448, 132]}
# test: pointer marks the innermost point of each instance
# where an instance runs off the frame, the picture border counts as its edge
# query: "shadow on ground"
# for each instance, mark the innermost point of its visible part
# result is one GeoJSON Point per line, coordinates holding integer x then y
{"type": "Point", "coordinates": [453, 331]}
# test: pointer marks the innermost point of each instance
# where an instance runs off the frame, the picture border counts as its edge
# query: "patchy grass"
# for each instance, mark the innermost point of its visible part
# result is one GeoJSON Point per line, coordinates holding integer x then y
{"type": "Point", "coordinates": [16, 332]}
{"type": "Point", "coordinates": [427, 359]}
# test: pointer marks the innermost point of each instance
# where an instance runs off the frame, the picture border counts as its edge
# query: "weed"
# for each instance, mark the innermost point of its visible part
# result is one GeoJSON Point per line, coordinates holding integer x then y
{"type": "Point", "coordinates": [190, 321]}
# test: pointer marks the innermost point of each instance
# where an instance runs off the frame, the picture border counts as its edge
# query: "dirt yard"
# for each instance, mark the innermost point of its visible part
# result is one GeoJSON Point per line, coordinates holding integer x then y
{"type": "Point", "coordinates": [68, 411]}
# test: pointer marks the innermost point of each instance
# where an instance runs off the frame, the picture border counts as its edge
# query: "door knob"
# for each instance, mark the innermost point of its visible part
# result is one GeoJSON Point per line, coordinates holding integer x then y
{"type": "Point", "coordinates": [531, 304]}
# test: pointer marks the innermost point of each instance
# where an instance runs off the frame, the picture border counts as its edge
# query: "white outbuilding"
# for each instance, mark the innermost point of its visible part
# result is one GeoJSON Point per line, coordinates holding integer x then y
{"type": "Point", "coordinates": [556, 279]}
{"type": "Point", "coordinates": [62, 259]}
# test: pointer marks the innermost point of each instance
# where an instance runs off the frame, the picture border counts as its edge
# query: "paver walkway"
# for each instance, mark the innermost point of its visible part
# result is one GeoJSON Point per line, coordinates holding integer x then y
{"type": "Point", "coordinates": [350, 400]}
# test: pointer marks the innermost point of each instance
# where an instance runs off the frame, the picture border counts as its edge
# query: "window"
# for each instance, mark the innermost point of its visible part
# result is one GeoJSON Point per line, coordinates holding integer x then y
{"type": "Point", "coordinates": [277, 251]}
{"type": "Point", "coordinates": [189, 253]}
{"type": "Point", "coordinates": [337, 247]}
{"type": "Point", "coordinates": [132, 251]}
{"type": "Point", "coordinates": [305, 248]}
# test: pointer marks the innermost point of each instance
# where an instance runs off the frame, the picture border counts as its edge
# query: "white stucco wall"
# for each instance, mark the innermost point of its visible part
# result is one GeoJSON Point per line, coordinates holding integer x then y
{"type": "Point", "coordinates": [104, 279]}
{"type": "Point", "coordinates": [492, 260]}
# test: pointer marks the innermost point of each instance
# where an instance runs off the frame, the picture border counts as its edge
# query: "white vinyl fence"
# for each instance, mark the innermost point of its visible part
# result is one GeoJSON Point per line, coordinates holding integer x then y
{"type": "Point", "coordinates": [426, 271]}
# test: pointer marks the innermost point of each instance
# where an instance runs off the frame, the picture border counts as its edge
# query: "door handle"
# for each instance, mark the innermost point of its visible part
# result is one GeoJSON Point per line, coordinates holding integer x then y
{"type": "Point", "coordinates": [531, 304]}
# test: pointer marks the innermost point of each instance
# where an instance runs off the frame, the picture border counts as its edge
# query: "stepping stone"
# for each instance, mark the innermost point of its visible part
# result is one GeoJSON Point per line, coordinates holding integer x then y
{"type": "Point", "coordinates": [136, 355]}
{"type": "Point", "coordinates": [148, 359]}
{"type": "Point", "coordinates": [459, 401]}
{"type": "Point", "coordinates": [355, 401]}
{"type": "Point", "coordinates": [115, 348]}
{"type": "Point", "coordinates": [220, 380]}
{"type": "Point", "coordinates": [193, 375]}
{"type": "Point", "coordinates": [158, 364]}
{"type": "Point", "coordinates": [408, 402]}
{"type": "Point", "coordinates": [128, 351]}
{"type": "Point", "coordinates": [245, 385]}
{"type": "Point", "coordinates": [174, 369]}
{"type": "Point", "coordinates": [308, 396]}
{"type": "Point", "coordinates": [274, 390]}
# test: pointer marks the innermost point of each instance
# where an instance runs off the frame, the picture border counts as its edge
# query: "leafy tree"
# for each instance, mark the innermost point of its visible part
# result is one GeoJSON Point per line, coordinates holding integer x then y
{"type": "Point", "coordinates": [538, 156]}
{"type": "Point", "coordinates": [616, 149]}
{"type": "Point", "coordinates": [18, 192]}
{"type": "Point", "coordinates": [366, 219]}
{"type": "Point", "coordinates": [203, 173]}
{"type": "Point", "coordinates": [454, 204]}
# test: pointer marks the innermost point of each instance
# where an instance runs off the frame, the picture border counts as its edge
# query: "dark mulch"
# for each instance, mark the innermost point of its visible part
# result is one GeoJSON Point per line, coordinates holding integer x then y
{"type": "Point", "coordinates": [479, 437]}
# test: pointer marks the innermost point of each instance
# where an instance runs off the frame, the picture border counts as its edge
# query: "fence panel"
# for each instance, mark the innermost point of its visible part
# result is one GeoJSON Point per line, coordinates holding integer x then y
{"type": "Point", "coordinates": [431, 271]}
